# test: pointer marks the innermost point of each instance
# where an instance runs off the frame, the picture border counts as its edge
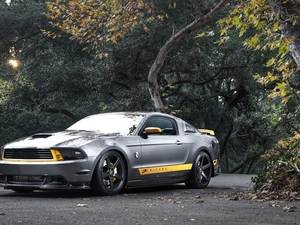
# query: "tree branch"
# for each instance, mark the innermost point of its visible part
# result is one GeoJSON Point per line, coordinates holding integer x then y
{"type": "Point", "coordinates": [173, 40]}
{"type": "Point", "coordinates": [52, 110]}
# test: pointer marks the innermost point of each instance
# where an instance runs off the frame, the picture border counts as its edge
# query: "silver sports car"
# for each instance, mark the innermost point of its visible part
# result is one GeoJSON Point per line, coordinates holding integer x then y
{"type": "Point", "coordinates": [111, 151]}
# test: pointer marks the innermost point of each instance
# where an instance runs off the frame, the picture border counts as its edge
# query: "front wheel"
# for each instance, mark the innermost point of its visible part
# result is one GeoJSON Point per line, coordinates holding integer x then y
{"type": "Point", "coordinates": [109, 175]}
{"type": "Point", "coordinates": [201, 172]}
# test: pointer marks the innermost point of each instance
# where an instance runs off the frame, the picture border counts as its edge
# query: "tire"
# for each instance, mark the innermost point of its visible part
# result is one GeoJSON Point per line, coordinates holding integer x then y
{"type": "Point", "coordinates": [109, 177]}
{"type": "Point", "coordinates": [201, 172]}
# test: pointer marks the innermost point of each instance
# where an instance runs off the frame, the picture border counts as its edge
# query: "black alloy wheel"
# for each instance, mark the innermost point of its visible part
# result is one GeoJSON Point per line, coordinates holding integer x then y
{"type": "Point", "coordinates": [201, 171]}
{"type": "Point", "coordinates": [110, 174]}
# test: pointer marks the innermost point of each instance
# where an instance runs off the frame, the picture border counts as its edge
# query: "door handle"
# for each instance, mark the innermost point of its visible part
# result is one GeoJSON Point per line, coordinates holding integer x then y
{"type": "Point", "coordinates": [178, 142]}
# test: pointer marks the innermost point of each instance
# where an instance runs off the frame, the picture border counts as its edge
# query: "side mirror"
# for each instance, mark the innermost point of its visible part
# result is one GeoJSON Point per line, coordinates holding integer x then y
{"type": "Point", "coordinates": [153, 130]}
{"type": "Point", "coordinates": [207, 131]}
{"type": "Point", "coordinates": [150, 130]}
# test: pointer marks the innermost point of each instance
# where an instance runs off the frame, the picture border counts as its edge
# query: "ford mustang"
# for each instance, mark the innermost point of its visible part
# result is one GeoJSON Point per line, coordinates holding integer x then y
{"type": "Point", "coordinates": [109, 152]}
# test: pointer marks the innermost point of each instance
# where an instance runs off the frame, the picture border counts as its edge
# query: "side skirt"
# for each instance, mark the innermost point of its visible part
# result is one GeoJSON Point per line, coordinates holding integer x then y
{"type": "Point", "coordinates": [159, 179]}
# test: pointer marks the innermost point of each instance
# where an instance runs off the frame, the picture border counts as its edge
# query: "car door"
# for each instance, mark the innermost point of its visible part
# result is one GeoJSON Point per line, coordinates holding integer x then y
{"type": "Point", "coordinates": [165, 151]}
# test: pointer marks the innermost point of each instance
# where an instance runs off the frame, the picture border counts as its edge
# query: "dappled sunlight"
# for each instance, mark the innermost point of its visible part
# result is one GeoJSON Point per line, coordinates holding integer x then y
{"type": "Point", "coordinates": [14, 63]}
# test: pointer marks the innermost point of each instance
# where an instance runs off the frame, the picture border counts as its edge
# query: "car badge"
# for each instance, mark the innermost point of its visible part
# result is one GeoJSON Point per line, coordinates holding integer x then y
{"type": "Point", "coordinates": [136, 155]}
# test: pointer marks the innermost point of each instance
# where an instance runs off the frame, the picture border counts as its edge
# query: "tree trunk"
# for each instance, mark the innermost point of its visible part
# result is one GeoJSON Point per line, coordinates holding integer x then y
{"type": "Point", "coordinates": [162, 54]}
{"type": "Point", "coordinates": [289, 11]}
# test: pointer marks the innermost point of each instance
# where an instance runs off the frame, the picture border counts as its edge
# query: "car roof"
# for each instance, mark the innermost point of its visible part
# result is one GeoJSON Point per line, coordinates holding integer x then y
{"type": "Point", "coordinates": [138, 113]}
{"type": "Point", "coordinates": [135, 113]}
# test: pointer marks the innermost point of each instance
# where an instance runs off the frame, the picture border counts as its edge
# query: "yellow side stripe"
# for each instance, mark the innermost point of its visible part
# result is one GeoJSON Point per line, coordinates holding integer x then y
{"type": "Point", "coordinates": [165, 169]}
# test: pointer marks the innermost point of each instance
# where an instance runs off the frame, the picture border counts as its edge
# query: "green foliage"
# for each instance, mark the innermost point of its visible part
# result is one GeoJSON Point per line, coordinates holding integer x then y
{"type": "Point", "coordinates": [56, 82]}
{"type": "Point", "coordinates": [206, 84]}
{"type": "Point", "coordinates": [44, 91]}
{"type": "Point", "coordinates": [98, 22]}
{"type": "Point", "coordinates": [259, 15]}
{"type": "Point", "coordinates": [271, 26]}
{"type": "Point", "coordinates": [281, 176]}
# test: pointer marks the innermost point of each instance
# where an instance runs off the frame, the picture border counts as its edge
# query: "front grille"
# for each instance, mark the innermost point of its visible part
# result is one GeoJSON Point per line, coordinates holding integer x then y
{"type": "Point", "coordinates": [26, 153]}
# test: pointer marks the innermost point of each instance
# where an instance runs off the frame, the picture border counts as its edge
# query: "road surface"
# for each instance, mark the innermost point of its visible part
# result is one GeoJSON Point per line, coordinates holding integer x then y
{"type": "Point", "coordinates": [174, 204]}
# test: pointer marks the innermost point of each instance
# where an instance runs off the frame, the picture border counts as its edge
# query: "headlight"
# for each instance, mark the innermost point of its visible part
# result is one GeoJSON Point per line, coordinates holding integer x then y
{"type": "Point", "coordinates": [67, 154]}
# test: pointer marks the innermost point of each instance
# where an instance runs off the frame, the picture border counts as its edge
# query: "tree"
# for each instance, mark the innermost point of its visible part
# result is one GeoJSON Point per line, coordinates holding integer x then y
{"type": "Point", "coordinates": [288, 13]}
{"type": "Point", "coordinates": [55, 81]}
{"type": "Point", "coordinates": [277, 26]}
{"type": "Point", "coordinates": [206, 84]}
{"type": "Point", "coordinates": [194, 78]}
{"type": "Point", "coordinates": [113, 19]}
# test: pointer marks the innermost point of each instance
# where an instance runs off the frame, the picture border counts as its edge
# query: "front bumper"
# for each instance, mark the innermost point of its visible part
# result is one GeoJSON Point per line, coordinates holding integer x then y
{"type": "Point", "coordinates": [75, 174]}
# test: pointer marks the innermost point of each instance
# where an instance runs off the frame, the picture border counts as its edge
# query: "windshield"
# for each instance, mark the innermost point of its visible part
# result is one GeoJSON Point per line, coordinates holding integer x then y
{"type": "Point", "coordinates": [122, 124]}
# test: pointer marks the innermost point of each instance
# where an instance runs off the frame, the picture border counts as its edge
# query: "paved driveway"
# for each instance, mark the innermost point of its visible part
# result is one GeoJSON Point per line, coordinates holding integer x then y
{"type": "Point", "coordinates": [232, 181]}
{"type": "Point", "coordinates": [174, 204]}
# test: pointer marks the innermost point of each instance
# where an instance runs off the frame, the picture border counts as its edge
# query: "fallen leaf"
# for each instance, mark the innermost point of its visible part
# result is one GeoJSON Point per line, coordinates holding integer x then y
{"type": "Point", "coordinates": [234, 198]}
{"type": "Point", "coordinates": [176, 202]}
{"type": "Point", "coordinates": [289, 208]}
{"type": "Point", "coordinates": [199, 201]}
{"type": "Point", "coordinates": [82, 205]}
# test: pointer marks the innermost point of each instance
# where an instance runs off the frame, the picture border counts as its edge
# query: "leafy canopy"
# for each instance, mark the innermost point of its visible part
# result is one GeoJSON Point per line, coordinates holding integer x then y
{"type": "Point", "coordinates": [97, 22]}
{"type": "Point", "coordinates": [272, 25]}
{"type": "Point", "coordinates": [259, 15]}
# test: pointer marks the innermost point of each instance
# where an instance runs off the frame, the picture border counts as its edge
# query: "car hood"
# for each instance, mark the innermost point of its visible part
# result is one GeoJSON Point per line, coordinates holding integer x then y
{"type": "Point", "coordinates": [58, 139]}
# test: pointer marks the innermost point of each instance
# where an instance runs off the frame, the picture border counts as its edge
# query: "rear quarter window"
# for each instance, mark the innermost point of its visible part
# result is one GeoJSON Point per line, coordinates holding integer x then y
{"type": "Point", "coordinates": [189, 128]}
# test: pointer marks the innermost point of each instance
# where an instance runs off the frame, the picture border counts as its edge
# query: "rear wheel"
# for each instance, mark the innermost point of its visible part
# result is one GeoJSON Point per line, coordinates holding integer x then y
{"type": "Point", "coordinates": [109, 175]}
{"type": "Point", "coordinates": [201, 172]}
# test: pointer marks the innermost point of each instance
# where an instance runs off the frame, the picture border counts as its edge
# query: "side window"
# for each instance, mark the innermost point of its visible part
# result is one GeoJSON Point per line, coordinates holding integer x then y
{"type": "Point", "coordinates": [167, 125]}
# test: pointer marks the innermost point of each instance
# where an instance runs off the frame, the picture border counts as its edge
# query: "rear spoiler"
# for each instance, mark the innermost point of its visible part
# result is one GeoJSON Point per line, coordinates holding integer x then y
{"type": "Point", "coordinates": [207, 131]}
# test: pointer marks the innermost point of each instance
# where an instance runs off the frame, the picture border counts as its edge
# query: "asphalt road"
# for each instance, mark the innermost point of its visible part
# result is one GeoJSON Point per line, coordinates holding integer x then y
{"type": "Point", "coordinates": [174, 204]}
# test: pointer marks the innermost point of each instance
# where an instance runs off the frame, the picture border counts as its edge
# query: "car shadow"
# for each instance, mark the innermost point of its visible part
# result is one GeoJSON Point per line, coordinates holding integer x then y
{"type": "Point", "coordinates": [89, 194]}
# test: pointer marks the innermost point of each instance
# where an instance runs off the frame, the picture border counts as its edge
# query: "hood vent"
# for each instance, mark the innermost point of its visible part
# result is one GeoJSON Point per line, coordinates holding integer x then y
{"type": "Point", "coordinates": [41, 135]}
